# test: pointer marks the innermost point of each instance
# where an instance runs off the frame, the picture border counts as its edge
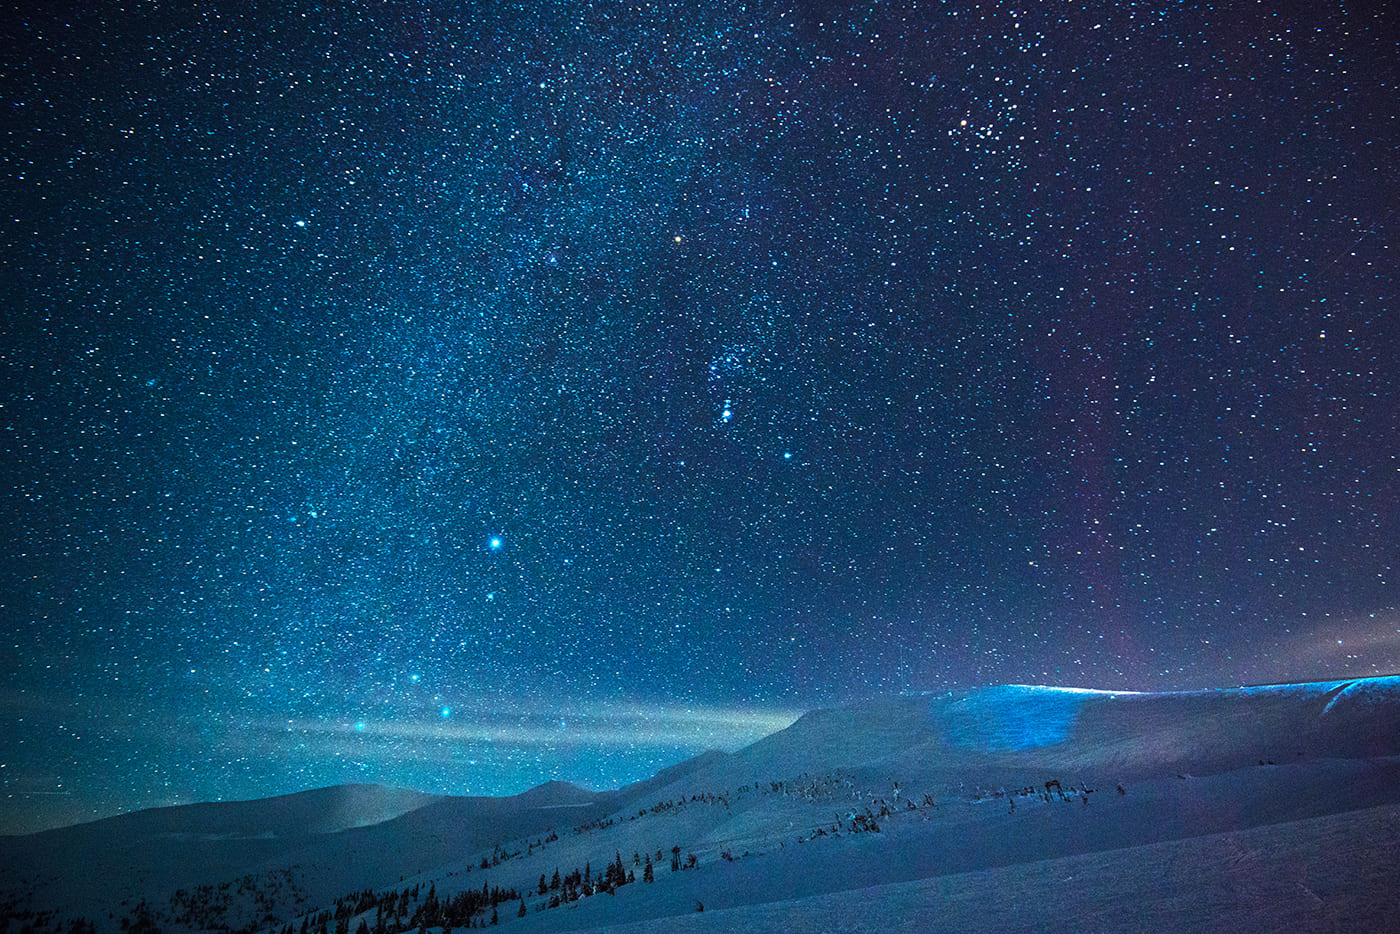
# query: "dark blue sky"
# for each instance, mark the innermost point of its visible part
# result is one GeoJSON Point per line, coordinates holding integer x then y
{"type": "Point", "coordinates": [466, 398]}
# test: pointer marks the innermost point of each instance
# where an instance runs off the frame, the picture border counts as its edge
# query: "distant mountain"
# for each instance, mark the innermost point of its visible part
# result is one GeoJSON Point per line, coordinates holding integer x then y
{"type": "Point", "coordinates": [1030, 724]}
{"type": "Point", "coordinates": [906, 804]}
{"type": "Point", "coordinates": [319, 811]}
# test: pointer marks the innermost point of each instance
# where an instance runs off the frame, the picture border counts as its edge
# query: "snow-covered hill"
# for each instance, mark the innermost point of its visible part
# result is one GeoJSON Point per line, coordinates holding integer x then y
{"type": "Point", "coordinates": [889, 802]}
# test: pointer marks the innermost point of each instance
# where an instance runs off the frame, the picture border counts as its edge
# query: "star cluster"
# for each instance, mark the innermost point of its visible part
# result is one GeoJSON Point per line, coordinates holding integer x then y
{"type": "Point", "coordinates": [465, 397]}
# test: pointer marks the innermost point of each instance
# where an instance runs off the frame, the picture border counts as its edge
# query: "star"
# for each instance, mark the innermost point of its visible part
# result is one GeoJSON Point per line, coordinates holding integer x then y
{"type": "Point", "coordinates": [1076, 413]}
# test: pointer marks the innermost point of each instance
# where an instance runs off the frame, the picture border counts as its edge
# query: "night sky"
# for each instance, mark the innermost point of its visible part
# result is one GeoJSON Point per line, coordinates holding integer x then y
{"type": "Point", "coordinates": [465, 398]}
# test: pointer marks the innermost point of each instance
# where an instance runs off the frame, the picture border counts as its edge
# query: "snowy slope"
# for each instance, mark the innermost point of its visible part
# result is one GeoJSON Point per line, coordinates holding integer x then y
{"type": "Point", "coordinates": [1336, 873]}
{"type": "Point", "coordinates": [1033, 728]}
{"type": "Point", "coordinates": [310, 847]}
{"type": "Point", "coordinates": [894, 792]}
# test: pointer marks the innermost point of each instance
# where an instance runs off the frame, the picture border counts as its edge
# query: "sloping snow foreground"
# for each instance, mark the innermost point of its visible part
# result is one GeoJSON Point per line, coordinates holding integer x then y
{"type": "Point", "coordinates": [1010, 808]}
{"type": "Point", "coordinates": [1335, 873]}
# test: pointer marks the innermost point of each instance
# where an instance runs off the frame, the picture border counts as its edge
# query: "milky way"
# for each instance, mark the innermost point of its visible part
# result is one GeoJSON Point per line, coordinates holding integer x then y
{"type": "Point", "coordinates": [465, 399]}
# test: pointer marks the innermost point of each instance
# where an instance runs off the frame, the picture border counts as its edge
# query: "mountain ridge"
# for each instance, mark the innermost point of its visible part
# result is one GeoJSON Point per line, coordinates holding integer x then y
{"type": "Point", "coordinates": [891, 789]}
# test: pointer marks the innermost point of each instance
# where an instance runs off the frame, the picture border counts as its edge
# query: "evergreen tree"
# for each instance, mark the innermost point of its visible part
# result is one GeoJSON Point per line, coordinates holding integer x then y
{"type": "Point", "coordinates": [142, 923]}
{"type": "Point", "coordinates": [647, 874]}
{"type": "Point", "coordinates": [523, 910]}
{"type": "Point", "coordinates": [619, 871]}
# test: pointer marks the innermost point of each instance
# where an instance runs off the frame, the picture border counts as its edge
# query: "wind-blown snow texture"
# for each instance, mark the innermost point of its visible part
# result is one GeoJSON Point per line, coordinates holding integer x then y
{"type": "Point", "coordinates": [1008, 808]}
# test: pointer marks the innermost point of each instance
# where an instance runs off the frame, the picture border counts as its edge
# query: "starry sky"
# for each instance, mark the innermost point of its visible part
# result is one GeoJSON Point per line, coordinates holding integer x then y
{"type": "Point", "coordinates": [461, 396]}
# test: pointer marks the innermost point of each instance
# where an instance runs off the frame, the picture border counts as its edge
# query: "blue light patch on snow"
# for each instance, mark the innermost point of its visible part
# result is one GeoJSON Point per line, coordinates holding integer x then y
{"type": "Point", "coordinates": [1013, 717]}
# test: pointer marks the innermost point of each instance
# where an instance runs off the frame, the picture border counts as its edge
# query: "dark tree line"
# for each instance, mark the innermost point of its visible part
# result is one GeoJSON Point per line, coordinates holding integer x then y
{"type": "Point", "coordinates": [400, 911]}
{"type": "Point", "coordinates": [582, 883]}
